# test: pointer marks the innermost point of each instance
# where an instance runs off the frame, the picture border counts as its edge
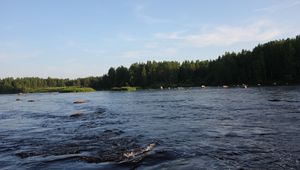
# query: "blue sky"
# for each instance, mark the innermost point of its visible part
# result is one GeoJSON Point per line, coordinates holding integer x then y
{"type": "Point", "coordinates": [80, 38]}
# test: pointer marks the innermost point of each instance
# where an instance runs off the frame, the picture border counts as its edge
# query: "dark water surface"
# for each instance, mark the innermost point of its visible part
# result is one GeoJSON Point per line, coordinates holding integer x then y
{"type": "Point", "coordinates": [212, 128]}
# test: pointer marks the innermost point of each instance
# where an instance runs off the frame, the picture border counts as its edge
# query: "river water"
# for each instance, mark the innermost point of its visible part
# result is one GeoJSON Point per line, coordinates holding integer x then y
{"type": "Point", "coordinates": [194, 128]}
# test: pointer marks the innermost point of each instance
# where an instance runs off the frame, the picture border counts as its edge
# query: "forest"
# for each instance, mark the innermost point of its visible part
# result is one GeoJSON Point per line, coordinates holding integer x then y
{"type": "Point", "coordinates": [276, 62]}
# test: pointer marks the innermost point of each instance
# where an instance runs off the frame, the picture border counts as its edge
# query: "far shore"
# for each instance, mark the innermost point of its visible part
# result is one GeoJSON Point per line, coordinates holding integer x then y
{"type": "Point", "coordinates": [133, 88]}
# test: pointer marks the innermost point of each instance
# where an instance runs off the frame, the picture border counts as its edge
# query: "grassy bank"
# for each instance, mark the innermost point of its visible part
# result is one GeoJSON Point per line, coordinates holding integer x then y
{"type": "Point", "coordinates": [125, 88]}
{"type": "Point", "coordinates": [60, 90]}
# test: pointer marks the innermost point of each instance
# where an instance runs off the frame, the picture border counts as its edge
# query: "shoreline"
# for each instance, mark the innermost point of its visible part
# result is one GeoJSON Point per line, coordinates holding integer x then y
{"type": "Point", "coordinates": [133, 89]}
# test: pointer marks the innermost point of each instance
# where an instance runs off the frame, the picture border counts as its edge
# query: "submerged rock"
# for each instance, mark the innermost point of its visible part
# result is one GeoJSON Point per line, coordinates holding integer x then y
{"type": "Point", "coordinates": [274, 100]}
{"type": "Point", "coordinates": [120, 154]}
{"type": "Point", "coordinates": [18, 99]}
{"type": "Point", "coordinates": [106, 146]}
{"type": "Point", "coordinates": [231, 134]}
{"type": "Point", "coordinates": [139, 151]}
{"type": "Point", "coordinates": [99, 110]}
{"type": "Point", "coordinates": [79, 101]}
{"type": "Point", "coordinates": [26, 154]}
{"type": "Point", "coordinates": [30, 101]}
{"type": "Point", "coordinates": [136, 155]}
{"type": "Point", "coordinates": [90, 159]}
{"type": "Point", "coordinates": [77, 114]}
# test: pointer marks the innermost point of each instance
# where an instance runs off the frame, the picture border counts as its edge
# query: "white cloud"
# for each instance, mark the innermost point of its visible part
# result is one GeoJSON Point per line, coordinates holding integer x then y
{"type": "Point", "coordinates": [225, 35]}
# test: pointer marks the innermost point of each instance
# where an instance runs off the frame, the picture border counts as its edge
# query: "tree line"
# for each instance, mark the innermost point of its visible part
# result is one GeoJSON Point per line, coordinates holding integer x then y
{"type": "Point", "coordinates": [273, 62]}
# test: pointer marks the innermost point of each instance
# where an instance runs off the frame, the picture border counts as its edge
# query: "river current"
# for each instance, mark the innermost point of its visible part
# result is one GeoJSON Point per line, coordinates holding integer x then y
{"type": "Point", "coordinates": [192, 128]}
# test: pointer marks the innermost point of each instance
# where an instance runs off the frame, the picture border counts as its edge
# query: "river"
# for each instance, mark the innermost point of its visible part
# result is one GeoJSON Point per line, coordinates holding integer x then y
{"type": "Point", "coordinates": [192, 128]}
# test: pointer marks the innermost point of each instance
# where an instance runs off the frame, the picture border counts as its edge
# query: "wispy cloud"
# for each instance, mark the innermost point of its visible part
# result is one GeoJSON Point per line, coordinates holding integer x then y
{"type": "Point", "coordinates": [92, 51]}
{"type": "Point", "coordinates": [151, 45]}
{"type": "Point", "coordinates": [283, 5]}
{"type": "Point", "coordinates": [9, 44]}
{"type": "Point", "coordinates": [127, 37]}
{"type": "Point", "coordinates": [152, 20]}
{"type": "Point", "coordinates": [140, 54]}
{"type": "Point", "coordinates": [11, 56]}
{"type": "Point", "coordinates": [140, 12]}
{"type": "Point", "coordinates": [61, 71]}
{"type": "Point", "coordinates": [225, 34]}
{"type": "Point", "coordinates": [87, 49]}
{"type": "Point", "coordinates": [172, 35]}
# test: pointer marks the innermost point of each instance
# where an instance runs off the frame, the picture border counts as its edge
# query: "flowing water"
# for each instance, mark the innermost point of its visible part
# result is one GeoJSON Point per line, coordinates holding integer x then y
{"type": "Point", "coordinates": [212, 128]}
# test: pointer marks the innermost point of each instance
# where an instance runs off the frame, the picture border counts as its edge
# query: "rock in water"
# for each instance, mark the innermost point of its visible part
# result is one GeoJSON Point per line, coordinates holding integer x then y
{"type": "Point", "coordinates": [77, 114]}
{"type": "Point", "coordinates": [274, 100]}
{"type": "Point", "coordinates": [100, 110]}
{"type": "Point", "coordinates": [79, 101]}
{"type": "Point", "coordinates": [137, 154]}
{"type": "Point", "coordinates": [30, 100]}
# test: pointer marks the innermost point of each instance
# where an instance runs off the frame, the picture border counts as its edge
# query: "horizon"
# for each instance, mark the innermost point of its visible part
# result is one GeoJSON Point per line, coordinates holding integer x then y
{"type": "Point", "coordinates": [79, 39]}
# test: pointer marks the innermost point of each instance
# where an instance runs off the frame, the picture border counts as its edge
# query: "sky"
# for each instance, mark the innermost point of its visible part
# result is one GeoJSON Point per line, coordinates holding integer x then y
{"type": "Point", "coordinates": [81, 38]}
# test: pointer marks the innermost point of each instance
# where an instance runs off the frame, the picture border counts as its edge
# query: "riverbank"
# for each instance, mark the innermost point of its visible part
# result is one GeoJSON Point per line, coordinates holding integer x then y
{"type": "Point", "coordinates": [125, 88]}
{"type": "Point", "coordinates": [74, 89]}
{"type": "Point", "coordinates": [61, 90]}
